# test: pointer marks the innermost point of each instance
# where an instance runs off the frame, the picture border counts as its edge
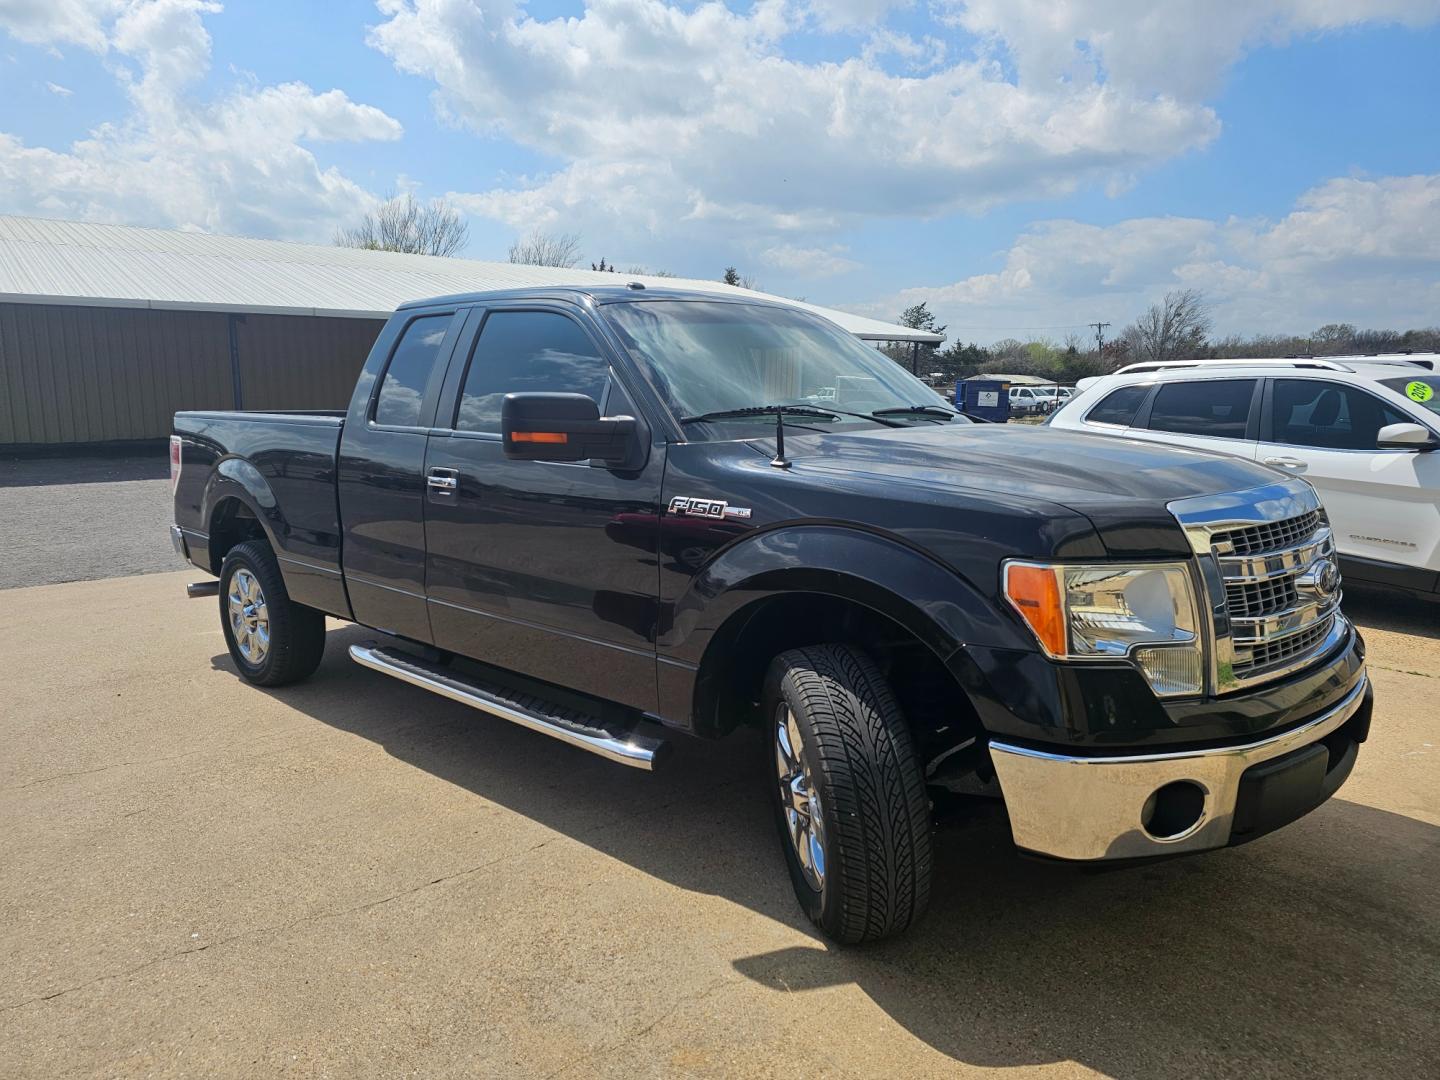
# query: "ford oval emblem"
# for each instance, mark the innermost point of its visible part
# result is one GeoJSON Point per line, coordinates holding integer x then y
{"type": "Point", "coordinates": [1321, 580]}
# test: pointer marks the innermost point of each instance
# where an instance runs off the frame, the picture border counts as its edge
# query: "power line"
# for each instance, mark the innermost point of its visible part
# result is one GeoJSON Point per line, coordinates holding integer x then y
{"type": "Point", "coordinates": [1099, 335]}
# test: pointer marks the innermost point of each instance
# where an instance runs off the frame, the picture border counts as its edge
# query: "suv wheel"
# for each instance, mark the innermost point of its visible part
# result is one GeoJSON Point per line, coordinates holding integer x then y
{"type": "Point", "coordinates": [272, 639]}
{"type": "Point", "coordinates": [848, 793]}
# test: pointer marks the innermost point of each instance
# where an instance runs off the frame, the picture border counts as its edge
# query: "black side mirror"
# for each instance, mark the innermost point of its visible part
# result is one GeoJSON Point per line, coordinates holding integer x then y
{"type": "Point", "coordinates": [563, 427]}
{"type": "Point", "coordinates": [1406, 437]}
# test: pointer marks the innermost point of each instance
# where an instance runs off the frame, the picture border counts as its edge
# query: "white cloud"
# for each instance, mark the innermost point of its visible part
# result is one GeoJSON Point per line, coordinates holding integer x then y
{"type": "Point", "coordinates": [1180, 48]}
{"type": "Point", "coordinates": [1365, 251]}
{"type": "Point", "coordinates": [848, 14]}
{"type": "Point", "coordinates": [58, 90]}
{"type": "Point", "coordinates": [808, 262]}
{"type": "Point", "coordinates": [695, 120]}
{"type": "Point", "coordinates": [697, 117]}
{"type": "Point", "coordinates": [235, 164]}
{"type": "Point", "coordinates": [59, 22]}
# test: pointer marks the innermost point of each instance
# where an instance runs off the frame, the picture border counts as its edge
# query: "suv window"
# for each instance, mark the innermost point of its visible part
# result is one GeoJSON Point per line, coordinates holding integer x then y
{"type": "Point", "coordinates": [1119, 406]}
{"type": "Point", "coordinates": [403, 389]}
{"type": "Point", "coordinates": [1218, 408]}
{"type": "Point", "coordinates": [1423, 390]}
{"type": "Point", "coordinates": [1332, 416]}
{"type": "Point", "coordinates": [527, 351]}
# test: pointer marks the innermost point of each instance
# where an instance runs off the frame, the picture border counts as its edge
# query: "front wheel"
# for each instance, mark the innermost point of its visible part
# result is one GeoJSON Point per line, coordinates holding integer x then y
{"type": "Point", "coordinates": [272, 639]}
{"type": "Point", "coordinates": [848, 793]}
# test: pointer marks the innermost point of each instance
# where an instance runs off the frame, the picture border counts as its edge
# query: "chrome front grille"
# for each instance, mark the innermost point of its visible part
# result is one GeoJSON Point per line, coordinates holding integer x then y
{"type": "Point", "coordinates": [1265, 597]}
{"type": "Point", "coordinates": [1271, 536]}
{"type": "Point", "coordinates": [1268, 563]}
{"type": "Point", "coordinates": [1281, 650]}
{"type": "Point", "coordinates": [1278, 608]}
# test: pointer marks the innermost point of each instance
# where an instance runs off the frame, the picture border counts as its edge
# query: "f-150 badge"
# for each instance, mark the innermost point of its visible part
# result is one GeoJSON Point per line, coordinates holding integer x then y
{"type": "Point", "coordinates": [685, 506]}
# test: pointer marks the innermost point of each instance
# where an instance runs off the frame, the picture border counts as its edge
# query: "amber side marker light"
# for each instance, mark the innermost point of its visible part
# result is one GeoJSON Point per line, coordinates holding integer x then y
{"type": "Point", "coordinates": [539, 436]}
{"type": "Point", "coordinates": [1034, 591]}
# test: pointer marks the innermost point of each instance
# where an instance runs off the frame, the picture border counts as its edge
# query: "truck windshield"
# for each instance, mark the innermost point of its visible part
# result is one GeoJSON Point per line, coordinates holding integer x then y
{"type": "Point", "coordinates": [707, 358]}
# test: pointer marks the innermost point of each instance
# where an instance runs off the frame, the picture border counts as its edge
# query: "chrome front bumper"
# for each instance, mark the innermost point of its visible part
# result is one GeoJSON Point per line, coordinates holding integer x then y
{"type": "Point", "coordinates": [177, 539]}
{"type": "Point", "coordinates": [1090, 808]}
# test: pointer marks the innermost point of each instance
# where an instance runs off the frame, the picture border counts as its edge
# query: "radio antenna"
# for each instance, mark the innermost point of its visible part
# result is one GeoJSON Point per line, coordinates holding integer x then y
{"type": "Point", "coordinates": [780, 461]}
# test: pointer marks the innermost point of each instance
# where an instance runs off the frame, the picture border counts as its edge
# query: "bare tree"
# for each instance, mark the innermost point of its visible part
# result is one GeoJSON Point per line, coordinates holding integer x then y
{"type": "Point", "coordinates": [547, 249]}
{"type": "Point", "coordinates": [401, 223]}
{"type": "Point", "coordinates": [1174, 329]}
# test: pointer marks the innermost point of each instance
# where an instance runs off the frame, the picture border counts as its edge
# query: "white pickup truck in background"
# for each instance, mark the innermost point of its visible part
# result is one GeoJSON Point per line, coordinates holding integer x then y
{"type": "Point", "coordinates": [1361, 429]}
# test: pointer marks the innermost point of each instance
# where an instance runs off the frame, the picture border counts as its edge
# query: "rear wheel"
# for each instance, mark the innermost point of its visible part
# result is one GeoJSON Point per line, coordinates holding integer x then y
{"type": "Point", "coordinates": [848, 793]}
{"type": "Point", "coordinates": [272, 639]}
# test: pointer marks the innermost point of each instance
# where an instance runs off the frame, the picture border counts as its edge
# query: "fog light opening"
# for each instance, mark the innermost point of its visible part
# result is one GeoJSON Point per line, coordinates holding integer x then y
{"type": "Point", "coordinates": [1173, 810]}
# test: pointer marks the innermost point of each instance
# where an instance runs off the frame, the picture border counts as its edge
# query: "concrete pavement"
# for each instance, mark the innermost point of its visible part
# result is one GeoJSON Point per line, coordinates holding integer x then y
{"type": "Point", "coordinates": [352, 878]}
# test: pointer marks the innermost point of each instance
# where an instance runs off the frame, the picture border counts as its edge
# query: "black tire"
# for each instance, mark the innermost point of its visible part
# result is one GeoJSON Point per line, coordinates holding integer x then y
{"type": "Point", "coordinates": [874, 812]}
{"type": "Point", "coordinates": [296, 634]}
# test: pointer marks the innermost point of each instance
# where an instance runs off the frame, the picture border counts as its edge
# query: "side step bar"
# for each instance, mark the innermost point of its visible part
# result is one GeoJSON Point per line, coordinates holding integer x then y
{"type": "Point", "coordinates": [196, 589]}
{"type": "Point", "coordinates": [619, 745]}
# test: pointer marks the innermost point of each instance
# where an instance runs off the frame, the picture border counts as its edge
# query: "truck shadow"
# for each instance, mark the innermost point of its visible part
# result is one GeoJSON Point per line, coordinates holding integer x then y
{"type": "Point", "coordinates": [1314, 951]}
{"type": "Point", "coordinates": [1388, 610]}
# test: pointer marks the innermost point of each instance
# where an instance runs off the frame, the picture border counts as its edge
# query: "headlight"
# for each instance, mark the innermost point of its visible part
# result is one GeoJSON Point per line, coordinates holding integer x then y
{"type": "Point", "coordinates": [1143, 612]}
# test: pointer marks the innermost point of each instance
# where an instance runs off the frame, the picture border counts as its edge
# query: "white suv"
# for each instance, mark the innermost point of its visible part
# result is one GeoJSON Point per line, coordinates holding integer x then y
{"type": "Point", "coordinates": [1359, 428]}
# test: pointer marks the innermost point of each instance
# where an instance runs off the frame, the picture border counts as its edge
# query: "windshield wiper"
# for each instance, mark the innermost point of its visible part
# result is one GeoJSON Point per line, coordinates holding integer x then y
{"type": "Point", "coordinates": [780, 461]}
{"type": "Point", "coordinates": [916, 410]}
{"type": "Point", "coordinates": [759, 410]}
{"type": "Point", "coordinates": [787, 410]}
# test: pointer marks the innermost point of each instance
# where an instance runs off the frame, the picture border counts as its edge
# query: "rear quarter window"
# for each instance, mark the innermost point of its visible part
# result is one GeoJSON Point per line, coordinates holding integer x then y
{"type": "Point", "coordinates": [402, 391]}
{"type": "Point", "coordinates": [1119, 406]}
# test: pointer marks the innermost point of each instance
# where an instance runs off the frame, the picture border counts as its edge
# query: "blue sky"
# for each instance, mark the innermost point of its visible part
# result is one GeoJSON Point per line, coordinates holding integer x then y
{"type": "Point", "coordinates": [1015, 164]}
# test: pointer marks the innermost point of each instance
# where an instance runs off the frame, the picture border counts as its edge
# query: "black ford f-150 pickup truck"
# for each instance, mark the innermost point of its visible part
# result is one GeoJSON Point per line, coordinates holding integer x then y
{"type": "Point", "coordinates": [604, 514]}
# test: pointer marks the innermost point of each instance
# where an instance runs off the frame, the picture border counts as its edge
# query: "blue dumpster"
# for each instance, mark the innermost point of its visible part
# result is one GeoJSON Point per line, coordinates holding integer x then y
{"type": "Point", "coordinates": [984, 399]}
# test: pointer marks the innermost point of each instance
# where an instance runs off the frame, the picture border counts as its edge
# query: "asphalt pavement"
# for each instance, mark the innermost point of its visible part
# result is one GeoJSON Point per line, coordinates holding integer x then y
{"type": "Point", "coordinates": [81, 518]}
{"type": "Point", "coordinates": [351, 878]}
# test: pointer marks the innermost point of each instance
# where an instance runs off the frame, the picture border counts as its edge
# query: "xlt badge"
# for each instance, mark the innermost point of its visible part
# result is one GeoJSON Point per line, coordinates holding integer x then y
{"type": "Point", "coordinates": [685, 506]}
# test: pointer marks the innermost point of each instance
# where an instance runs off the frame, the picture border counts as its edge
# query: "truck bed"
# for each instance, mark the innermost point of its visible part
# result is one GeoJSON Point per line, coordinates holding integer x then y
{"type": "Point", "coordinates": [281, 467]}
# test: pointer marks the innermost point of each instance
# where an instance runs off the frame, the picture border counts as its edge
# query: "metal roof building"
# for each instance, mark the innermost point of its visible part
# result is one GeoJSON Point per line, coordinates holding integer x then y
{"type": "Point", "coordinates": [106, 330]}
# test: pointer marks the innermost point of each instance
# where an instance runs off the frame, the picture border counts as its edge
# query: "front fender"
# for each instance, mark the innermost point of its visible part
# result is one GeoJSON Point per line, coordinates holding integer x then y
{"type": "Point", "coordinates": [940, 607]}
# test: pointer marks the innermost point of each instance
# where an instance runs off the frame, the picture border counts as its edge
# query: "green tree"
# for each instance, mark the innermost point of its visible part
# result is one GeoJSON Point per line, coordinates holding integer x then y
{"type": "Point", "coordinates": [920, 317]}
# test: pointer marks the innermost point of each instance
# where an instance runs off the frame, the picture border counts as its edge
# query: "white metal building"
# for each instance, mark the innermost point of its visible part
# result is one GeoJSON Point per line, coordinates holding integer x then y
{"type": "Point", "coordinates": [107, 330]}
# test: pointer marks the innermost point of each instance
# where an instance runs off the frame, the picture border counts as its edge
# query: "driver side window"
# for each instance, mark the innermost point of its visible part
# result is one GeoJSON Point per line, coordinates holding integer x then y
{"type": "Point", "coordinates": [1331, 416]}
{"type": "Point", "coordinates": [526, 352]}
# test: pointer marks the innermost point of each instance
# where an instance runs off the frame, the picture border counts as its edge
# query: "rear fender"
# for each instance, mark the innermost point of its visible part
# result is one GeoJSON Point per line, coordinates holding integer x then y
{"type": "Point", "coordinates": [236, 479]}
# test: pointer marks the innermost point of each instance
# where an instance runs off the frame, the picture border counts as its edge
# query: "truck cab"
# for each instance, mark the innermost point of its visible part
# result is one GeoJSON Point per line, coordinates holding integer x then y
{"type": "Point", "coordinates": [621, 516]}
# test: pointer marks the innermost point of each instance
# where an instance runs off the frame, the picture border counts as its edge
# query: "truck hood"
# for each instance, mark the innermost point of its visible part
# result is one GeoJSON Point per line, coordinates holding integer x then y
{"type": "Point", "coordinates": [1121, 485]}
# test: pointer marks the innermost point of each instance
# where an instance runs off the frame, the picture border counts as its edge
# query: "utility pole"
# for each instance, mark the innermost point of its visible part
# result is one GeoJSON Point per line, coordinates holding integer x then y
{"type": "Point", "coordinates": [1099, 335]}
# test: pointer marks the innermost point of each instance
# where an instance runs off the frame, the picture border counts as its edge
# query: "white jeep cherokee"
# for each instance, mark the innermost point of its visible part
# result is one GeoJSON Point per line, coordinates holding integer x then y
{"type": "Point", "coordinates": [1360, 429]}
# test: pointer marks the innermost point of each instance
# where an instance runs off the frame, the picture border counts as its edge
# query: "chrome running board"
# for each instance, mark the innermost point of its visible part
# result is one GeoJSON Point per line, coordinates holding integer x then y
{"type": "Point", "coordinates": [567, 725]}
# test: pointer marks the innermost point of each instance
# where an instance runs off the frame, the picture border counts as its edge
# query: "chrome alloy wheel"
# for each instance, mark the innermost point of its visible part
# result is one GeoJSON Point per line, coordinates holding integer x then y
{"type": "Point", "coordinates": [799, 798]}
{"type": "Point", "coordinates": [249, 618]}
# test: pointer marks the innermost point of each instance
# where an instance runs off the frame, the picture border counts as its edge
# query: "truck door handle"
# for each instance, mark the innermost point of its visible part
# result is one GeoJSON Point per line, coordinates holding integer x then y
{"type": "Point", "coordinates": [1285, 462]}
{"type": "Point", "coordinates": [443, 481]}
